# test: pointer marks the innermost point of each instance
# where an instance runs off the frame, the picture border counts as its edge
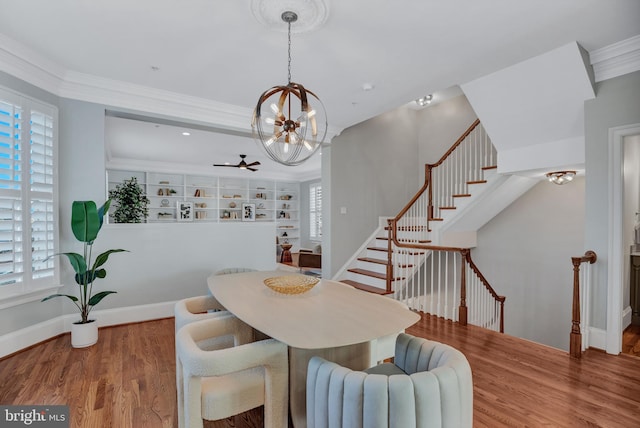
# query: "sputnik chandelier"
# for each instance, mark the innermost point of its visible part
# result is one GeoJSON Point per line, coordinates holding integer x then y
{"type": "Point", "coordinates": [289, 122]}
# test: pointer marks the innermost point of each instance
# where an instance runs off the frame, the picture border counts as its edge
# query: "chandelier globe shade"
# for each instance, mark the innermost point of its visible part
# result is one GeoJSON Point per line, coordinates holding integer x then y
{"type": "Point", "coordinates": [289, 121]}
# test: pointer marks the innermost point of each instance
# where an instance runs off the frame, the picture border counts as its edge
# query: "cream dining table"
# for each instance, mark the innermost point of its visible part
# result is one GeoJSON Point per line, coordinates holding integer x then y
{"type": "Point", "coordinates": [332, 320]}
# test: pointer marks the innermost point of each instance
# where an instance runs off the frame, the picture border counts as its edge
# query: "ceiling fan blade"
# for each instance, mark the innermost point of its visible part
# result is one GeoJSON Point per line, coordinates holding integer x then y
{"type": "Point", "coordinates": [256, 163]}
{"type": "Point", "coordinates": [233, 166]}
{"type": "Point", "coordinates": [251, 169]}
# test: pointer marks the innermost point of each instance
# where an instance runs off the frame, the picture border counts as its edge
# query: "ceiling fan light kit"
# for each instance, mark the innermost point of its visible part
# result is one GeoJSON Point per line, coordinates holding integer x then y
{"type": "Point", "coordinates": [289, 121]}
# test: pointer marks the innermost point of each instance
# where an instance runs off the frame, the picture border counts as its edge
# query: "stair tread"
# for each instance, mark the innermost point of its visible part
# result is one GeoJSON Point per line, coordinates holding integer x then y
{"type": "Point", "coordinates": [461, 195]}
{"type": "Point", "coordinates": [371, 273]}
{"type": "Point", "coordinates": [365, 287]}
{"type": "Point", "coordinates": [490, 167]}
{"type": "Point", "coordinates": [477, 182]}
{"type": "Point", "coordinates": [448, 208]}
{"type": "Point", "coordinates": [372, 260]}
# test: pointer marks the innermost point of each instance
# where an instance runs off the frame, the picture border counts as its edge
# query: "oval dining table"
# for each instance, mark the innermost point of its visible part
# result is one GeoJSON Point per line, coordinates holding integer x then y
{"type": "Point", "coordinates": [332, 320]}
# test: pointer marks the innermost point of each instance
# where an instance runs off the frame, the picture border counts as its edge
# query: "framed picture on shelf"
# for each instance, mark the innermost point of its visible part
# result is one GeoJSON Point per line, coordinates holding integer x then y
{"type": "Point", "coordinates": [248, 212]}
{"type": "Point", "coordinates": [185, 211]}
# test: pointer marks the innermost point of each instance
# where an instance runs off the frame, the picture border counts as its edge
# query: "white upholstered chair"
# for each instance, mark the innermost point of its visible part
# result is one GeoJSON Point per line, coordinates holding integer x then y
{"type": "Point", "coordinates": [428, 385]}
{"type": "Point", "coordinates": [230, 270]}
{"type": "Point", "coordinates": [221, 383]}
{"type": "Point", "coordinates": [197, 308]}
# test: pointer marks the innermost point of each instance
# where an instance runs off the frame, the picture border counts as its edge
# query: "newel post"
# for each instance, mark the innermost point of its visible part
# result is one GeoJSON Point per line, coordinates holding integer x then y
{"type": "Point", "coordinates": [462, 310]}
{"type": "Point", "coordinates": [575, 342]}
{"type": "Point", "coordinates": [391, 224]}
{"type": "Point", "coordinates": [428, 177]}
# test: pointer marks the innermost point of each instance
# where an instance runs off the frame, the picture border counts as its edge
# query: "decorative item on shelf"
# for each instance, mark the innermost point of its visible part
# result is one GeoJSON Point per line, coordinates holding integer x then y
{"type": "Point", "coordinates": [197, 193]}
{"type": "Point", "coordinates": [237, 196]}
{"type": "Point", "coordinates": [86, 222]}
{"type": "Point", "coordinates": [185, 210]}
{"type": "Point", "coordinates": [201, 215]}
{"type": "Point", "coordinates": [261, 215]}
{"type": "Point", "coordinates": [260, 206]}
{"type": "Point", "coordinates": [284, 234]}
{"type": "Point", "coordinates": [171, 192]}
{"type": "Point", "coordinates": [294, 139]}
{"type": "Point", "coordinates": [232, 204]}
{"type": "Point", "coordinates": [285, 197]}
{"type": "Point", "coordinates": [164, 182]}
{"type": "Point", "coordinates": [132, 204]}
{"type": "Point", "coordinates": [248, 212]}
{"type": "Point", "coordinates": [226, 215]}
{"type": "Point", "coordinates": [200, 205]}
{"type": "Point", "coordinates": [164, 215]}
{"type": "Point", "coordinates": [234, 215]}
{"type": "Point", "coordinates": [282, 214]}
{"type": "Point", "coordinates": [261, 196]}
{"type": "Point", "coordinates": [160, 192]}
{"type": "Point", "coordinates": [164, 203]}
{"type": "Point", "coordinates": [291, 284]}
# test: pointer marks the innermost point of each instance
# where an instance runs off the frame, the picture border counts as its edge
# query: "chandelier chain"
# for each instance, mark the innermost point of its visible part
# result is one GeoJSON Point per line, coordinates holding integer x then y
{"type": "Point", "coordinates": [289, 54]}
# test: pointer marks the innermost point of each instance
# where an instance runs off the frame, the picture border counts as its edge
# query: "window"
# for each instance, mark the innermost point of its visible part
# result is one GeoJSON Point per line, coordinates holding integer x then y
{"type": "Point", "coordinates": [315, 211]}
{"type": "Point", "coordinates": [28, 232]}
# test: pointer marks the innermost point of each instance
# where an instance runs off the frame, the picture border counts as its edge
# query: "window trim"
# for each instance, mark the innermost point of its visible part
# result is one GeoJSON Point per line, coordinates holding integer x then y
{"type": "Point", "coordinates": [313, 235]}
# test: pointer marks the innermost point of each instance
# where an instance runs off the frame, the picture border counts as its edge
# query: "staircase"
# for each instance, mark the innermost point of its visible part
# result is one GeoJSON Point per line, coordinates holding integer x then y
{"type": "Point", "coordinates": [422, 256]}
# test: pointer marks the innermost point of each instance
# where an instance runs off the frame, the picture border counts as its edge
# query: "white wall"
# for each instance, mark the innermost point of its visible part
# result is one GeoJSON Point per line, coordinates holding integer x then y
{"type": "Point", "coordinates": [525, 254]}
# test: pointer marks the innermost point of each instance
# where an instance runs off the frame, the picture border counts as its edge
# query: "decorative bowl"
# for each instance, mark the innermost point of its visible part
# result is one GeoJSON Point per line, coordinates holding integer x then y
{"type": "Point", "coordinates": [291, 284]}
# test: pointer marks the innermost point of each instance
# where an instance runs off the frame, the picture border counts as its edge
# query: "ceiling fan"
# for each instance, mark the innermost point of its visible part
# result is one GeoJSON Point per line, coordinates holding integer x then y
{"type": "Point", "coordinates": [242, 164]}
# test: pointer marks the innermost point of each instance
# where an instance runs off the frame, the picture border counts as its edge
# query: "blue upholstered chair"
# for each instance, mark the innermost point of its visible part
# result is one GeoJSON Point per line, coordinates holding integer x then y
{"type": "Point", "coordinates": [428, 385]}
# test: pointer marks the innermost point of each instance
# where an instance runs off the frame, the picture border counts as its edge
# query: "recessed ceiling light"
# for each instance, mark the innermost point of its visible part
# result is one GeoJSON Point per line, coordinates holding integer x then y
{"type": "Point", "coordinates": [155, 68]}
{"type": "Point", "coordinates": [368, 87]}
{"type": "Point", "coordinates": [186, 134]}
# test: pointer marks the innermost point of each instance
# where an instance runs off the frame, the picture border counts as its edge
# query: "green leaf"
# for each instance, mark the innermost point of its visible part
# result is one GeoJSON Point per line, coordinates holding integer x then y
{"type": "Point", "coordinates": [100, 273]}
{"type": "Point", "coordinates": [102, 211]}
{"type": "Point", "coordinates": [102, 258]}
{"type": "Point", "coordinates": [73, 298]}
{"type": "Point", "coordinates": [85, 222]}
{"type": "Point", "coordinates": [99, 296]}
{"type": "Point", "coordinates": [77, 262]}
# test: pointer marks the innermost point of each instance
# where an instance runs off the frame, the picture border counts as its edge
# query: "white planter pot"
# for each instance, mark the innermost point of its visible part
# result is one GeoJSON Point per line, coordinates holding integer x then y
{"type": "Point", "coordinates": [83, 335]}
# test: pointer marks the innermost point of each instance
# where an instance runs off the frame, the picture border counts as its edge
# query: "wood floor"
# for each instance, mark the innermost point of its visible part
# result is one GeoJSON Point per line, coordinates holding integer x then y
{"type": "Point", "coordinates": [128, 380]}
{"type": "Point", "coordinates": [631, 340]}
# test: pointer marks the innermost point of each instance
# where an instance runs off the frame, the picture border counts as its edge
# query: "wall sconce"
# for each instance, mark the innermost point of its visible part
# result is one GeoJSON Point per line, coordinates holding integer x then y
{"type": "Point", "coordinates": [561, 177]}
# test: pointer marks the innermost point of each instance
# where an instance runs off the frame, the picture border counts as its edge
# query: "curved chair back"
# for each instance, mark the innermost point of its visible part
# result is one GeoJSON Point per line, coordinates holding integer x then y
{"type": "Point", "coordinates": [221, 383]}
{"type": "Point", "coordinates": [228, 271]}
{"type": "Point", "coordinates": [430, 385]}
{"type": "Point", "coordinates": [196, 309]}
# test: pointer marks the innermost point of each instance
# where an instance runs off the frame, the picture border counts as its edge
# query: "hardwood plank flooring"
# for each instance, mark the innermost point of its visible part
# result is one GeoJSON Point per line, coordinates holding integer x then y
{"type": "Point", "coordinates": [128, 380]}
{"type": "Point", "coordinates": [631, 340]}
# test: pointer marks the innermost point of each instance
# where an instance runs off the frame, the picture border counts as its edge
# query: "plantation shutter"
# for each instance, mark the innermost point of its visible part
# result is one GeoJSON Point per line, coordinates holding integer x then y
{"type": "Point", "coordinates": [27, 187]}
{"type": "Point", "coordinates": [315, 211]}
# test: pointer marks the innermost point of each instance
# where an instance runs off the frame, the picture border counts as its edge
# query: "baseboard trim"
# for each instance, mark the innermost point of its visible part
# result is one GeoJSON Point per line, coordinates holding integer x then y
{"type": "Point", "coordinates": [15, 341]}
{"type": "Point", "coordinates": [626, 317]}
{"type": "Point", "coordinates": [597, 338]}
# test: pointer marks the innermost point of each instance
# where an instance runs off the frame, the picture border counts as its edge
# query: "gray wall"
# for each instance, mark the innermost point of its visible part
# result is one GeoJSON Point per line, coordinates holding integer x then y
{"type": "Point", "coordinates": [373, 173]}
{"type": "Point", "coordinates": [617, 103]}
{"type": "Point", "coordinates": [525, 254]}
{"type": "Point", "coordinates": [166, 261]}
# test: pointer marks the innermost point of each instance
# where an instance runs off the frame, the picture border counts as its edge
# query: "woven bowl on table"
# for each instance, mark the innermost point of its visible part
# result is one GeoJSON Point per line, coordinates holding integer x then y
{"type": "Point", "coordinates": [291, 284]}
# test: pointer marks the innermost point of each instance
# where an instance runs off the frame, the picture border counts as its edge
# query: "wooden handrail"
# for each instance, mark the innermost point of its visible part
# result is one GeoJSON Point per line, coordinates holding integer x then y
{"type": "Point", "coordinates": [466, 256]}
{"type": "Point", "coordinates": [456, 144]}
{"type": "Point", "coordinates": [575, 338]}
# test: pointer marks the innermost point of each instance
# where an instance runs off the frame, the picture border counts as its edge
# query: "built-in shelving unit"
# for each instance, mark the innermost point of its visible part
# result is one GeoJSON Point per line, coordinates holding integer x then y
{"type": "Point", "coordinates": [218, 199]}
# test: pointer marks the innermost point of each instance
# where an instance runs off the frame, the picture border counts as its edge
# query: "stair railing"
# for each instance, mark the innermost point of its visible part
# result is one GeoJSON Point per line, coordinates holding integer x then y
{"type": "Point", "coordinates": [580, 304]}
{"type": "Point", "coordinates": [409, 236]}
{"type": "Point", "coordinates": [461, 165]}
{"type": "Point", "coordinates": [444, 281]}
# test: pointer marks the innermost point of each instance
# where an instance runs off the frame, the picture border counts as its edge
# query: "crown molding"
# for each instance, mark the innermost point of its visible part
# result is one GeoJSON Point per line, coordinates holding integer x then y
{"type": "Point", "coordinates": [25, 64]}
{"type": "Point", "coordinates": [616, 59]}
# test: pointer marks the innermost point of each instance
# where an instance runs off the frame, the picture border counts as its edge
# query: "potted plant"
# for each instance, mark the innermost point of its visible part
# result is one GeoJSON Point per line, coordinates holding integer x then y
{"type": "Point", "coordinates": [131, 202]}
{"type": "Point", "coordinates": [86, 222]}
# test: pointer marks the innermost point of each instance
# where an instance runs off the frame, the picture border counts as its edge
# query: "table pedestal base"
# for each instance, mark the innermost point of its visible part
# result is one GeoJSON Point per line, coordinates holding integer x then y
{"type": "Point", "coordinates": [354, 357]}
